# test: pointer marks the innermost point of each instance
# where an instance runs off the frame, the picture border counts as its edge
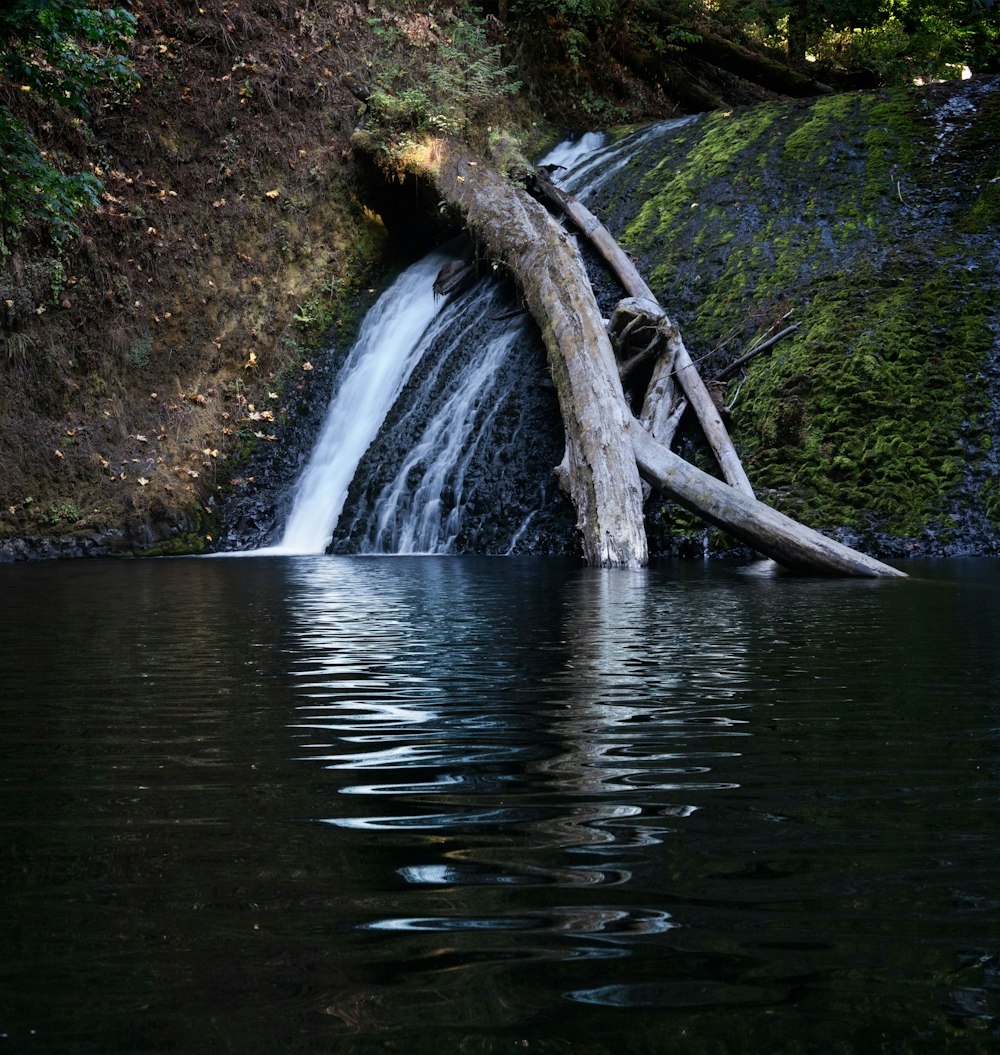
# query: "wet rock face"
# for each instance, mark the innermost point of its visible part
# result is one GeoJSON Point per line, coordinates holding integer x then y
{"type": "Point", "coordinates": [464, 462]}
{"type": "Point", "coordinates": [869, 219]}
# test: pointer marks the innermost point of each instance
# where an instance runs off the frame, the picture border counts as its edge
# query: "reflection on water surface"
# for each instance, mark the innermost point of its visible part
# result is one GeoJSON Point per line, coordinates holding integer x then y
{"type": "Point", "coordinates": [315, 804]}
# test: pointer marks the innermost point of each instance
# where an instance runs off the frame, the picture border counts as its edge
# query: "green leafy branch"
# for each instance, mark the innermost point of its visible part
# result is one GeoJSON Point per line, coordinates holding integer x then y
{"type": "Point", "coordinates": [59, 52]}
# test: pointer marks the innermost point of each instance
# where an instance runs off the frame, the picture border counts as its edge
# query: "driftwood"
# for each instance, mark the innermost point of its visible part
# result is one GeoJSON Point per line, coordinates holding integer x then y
{"type": "Point", "coordinates": [605, 445]}
{"type": "Point", "coordinates": [684, 369]}
{"type": "Point", "coordinates": [733, 508]}
{"type": "Point", "coordinates": [786, 541]}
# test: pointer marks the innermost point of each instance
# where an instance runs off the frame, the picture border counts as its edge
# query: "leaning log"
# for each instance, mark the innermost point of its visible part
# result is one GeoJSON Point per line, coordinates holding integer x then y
{"type": "Point", "coordinates": [513, 228]}
{"type": "Point", "coordinates": [635, 285]}
{"type": "Point", "coordinates": [605, 446]}
{"type": "Point", "coordinates": [791, 544]}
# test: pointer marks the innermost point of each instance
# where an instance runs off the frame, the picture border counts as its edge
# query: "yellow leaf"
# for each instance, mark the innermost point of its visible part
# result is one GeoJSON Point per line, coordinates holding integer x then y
{"type": "Point", "coordinates": [251, 361]}
{"type": "Point", "coordinates": [272, 194]}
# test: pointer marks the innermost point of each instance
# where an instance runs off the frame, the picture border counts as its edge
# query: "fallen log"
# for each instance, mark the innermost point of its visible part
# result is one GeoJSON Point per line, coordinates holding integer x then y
{"type": "Point", "coordinates": [605, 446]}
{"type": "Point", "coordinates": [710, 50]}
{"type": "Point", "coordinates": [791, 544]}
{"type": "Point", "coordinates": [684, 369]}
{"type": "Point", "coordinates": [513, 228]}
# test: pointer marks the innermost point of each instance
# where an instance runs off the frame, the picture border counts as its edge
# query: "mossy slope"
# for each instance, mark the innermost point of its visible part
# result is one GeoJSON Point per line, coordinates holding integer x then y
{"type": "Point", "coordinates": [871, 220]}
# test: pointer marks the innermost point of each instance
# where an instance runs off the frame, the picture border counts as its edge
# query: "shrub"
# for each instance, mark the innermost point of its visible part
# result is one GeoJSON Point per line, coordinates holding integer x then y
{"type": "Point", "coordinates": [53, 53]}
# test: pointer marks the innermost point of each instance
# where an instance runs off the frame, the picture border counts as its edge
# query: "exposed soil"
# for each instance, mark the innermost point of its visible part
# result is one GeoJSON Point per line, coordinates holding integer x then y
{"type": "Point", "coordinates": [141, 361]}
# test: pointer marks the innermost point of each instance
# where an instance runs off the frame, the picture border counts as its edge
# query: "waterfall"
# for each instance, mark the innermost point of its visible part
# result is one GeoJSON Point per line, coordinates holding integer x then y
{"type": "Point", "coordinates": [420, 511]}
{"type": "Point", "coordinates": [462, 384]}
{"type": "Point", "coordinates": [393, 338]}
{"type": "Point", "coordinates": [466, 455]}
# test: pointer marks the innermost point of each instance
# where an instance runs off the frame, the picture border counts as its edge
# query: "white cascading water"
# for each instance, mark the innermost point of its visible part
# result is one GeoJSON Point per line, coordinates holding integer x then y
{"type": "Point", "coordinates": [394, 336]}
{"type": "Point", "coordinates": [590, 161]}
{"type": "Point", "coordinates": [411, 515]}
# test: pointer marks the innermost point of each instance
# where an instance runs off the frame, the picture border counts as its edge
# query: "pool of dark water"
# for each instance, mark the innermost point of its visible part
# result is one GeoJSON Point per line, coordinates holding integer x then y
{"type": "Point", "coordinates": [347, 804]}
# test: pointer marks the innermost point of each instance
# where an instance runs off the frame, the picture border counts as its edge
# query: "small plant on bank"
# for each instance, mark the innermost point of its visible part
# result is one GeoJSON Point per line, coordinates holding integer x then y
{"type": "Point", "coordinates": [53, 55]}
{"type": "Point", "coordinates": [63, 512]}
{"type": "Point", "coordinates": [439, 74]}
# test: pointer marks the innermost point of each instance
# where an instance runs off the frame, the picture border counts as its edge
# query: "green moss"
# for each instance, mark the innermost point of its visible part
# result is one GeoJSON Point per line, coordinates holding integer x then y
{"type": "Point", "coordinates": [893, 142]}
{"type": "Point", "coordinates": [984, 213]}
{"type": "Point", "coordinates": [835, 214]}
{"type": "Point", "coordinates": [858, 414]}
{"type": "Point", "coordinates": [811, 139]}
{"type": "Point", "coordinates": [671, 193]}
{"type": "Point", "coordinates": [989, 498]}
{"type": "Point", "coordinates": [187, 545]}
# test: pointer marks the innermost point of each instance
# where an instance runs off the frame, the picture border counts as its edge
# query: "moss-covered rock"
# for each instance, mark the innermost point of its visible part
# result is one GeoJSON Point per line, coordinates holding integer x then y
{"type": "Point", "coordinates": [870, 220]}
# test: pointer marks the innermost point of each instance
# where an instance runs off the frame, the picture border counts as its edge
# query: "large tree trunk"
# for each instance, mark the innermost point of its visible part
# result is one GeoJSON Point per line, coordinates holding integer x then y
{"type": "Point", "coordinates": [510, 226]}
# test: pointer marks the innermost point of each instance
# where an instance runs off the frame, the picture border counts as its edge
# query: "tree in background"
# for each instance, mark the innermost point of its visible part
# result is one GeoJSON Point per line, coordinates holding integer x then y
{"type": "Point", "coordinates": [54, 56]}
{"type": "Point", "coordinates": [895, 40]}
{"type": "Point", "coordinates": [844, 43]}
